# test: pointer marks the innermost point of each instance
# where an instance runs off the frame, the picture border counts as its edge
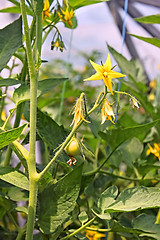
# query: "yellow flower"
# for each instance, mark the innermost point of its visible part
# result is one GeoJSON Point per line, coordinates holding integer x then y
{"type": "Point", "coordinates": [153, 83]}
{"type": "Point", "coordinates": [155, 150]}
{"type": "Point", "coordinates": [66, 15]}
{"type": "Point", "coordinates": [46, 11]}
{"type": "Point", "coordinates": [79, 111]}
{"type": "Point", "coordinates": [107, 112]}
{"type": "Point", "coordinates": [104, 72]}
{"type": "Point", "coordinates": [93, 235]}
{"type": "Point", "coordinates": [3, 116]}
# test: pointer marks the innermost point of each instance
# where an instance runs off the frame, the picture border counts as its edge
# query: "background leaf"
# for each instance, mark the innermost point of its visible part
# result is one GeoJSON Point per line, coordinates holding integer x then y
{"type": "Point", "coordinates": [22, 93]}
{"type": "Point", "coordinates": [146, 222]}
{"type": "Point", "coordinates": [10, 41]}
{"type": "Point", "coordinates": [9, 82]}
{"type": "Point", "coordinates": [152, 19]}
{"type": "Point", "coordinates": [153, 41]}
{"type": "Point", "coordinates": [81, 3]}
{"type": "Point", "coordinates": [10, 136]}
{"type": "Point", "coordinates": [14, 177]}
{"type": "Point", "coordinates": [60, 199]}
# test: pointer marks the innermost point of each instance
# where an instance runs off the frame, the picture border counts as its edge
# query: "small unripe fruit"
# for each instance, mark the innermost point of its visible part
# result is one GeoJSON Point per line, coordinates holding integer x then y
{"type": "Point", "coordinates": [72, 149]}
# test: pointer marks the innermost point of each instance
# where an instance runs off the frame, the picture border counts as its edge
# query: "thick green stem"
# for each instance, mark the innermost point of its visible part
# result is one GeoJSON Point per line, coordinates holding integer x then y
{"type": "Point", "coordinates": [33, 176]}
{"type": "Point", "coordinates": [32, 208]}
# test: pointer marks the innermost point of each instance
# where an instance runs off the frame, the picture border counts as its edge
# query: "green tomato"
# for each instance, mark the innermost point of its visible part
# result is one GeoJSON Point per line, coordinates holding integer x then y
{"type": "Point", "coordinates": [72, 148]}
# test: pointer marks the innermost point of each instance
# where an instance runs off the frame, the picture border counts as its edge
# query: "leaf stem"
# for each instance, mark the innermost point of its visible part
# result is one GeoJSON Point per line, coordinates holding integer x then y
{"type": "Point", "coordinates": [79, 229]}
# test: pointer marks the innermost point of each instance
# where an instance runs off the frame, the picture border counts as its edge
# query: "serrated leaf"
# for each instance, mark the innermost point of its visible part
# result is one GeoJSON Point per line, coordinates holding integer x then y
{"type": "Point", "coordinates": [151, 19]}
{"type": "Point", "coordinates": [60, 199]}
{"type": "Point", "coordinates": [10, 41]}
{"type": "Point", "coordinates": [9, 82]}
{"type": "Point", "coordinates": [136, 198]}
{"type": "Point", "coordinates": [127, 67]}
{"type": "Point", "coordinates": [49, 130]}
{"type": "Point", "coordinates": [22, 93]}
{"type": "Point", "coordinates": [14, 177]}
{"type": "Point", "coordinates": [116, 137]}
{"type": "Point", "coordinates": [10, 136]}
{"type": "Point", "coordinates": [153, 41]}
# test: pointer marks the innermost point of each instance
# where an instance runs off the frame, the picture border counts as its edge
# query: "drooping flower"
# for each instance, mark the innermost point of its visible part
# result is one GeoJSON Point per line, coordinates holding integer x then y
{"type": "Point", "coordinates": [66, 15]}
{"type": "Point", "coordinates": [107, 112]}
{"type": "Point", "coordinates": [104, 72]}
{"type": "Point", "coordinates": [135, 103]}
{"type": "Point", "coordinates": [46, 10]}
{"type": "Point", "coordinates": [58, 44]}
{"type": "Point", "coordinates": [94, 235]}
{"type": "Point", "coordinates": [79, 111]}
{"type": "Point", "coordinates": [155, 150]}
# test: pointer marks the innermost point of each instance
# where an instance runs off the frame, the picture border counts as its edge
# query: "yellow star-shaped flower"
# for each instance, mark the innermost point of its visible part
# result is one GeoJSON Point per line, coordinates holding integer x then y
{"type": "Point", "coordinates": [46, 10]}
{"type": "Point", "coordinates": [104, 72]}
{"type": "Point", "coordinates": [66, 15]}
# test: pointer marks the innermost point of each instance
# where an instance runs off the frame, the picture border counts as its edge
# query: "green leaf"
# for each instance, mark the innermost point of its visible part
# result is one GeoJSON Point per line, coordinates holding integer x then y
{"type": "Point", "coordinates": [10, 41]}
{"type": "Point", "coordinates": [58, 200]}
{"type": "Point", "coordinates": [127, 67]}
{"type": "Point", "coordinates": [9, 82]}
{"type": "Point", "coordinates": [83, 217]}
{"type": "Point", "coordinates": [49, 130]}
{"type": "Point", "coordinates": [118, 227]}
{"type": "Point", "coordinates": [14, 177]}
{"type": "Point", "coordinates": [22, 209]}
{"type": "Point", "coordinates": [146, 223]}
{"type": "Point", "coordinates": [131, 150]}
{"type": "Point", "coordinates": [152, 19]}
{"type": "Point", "coordinates": [22, 93]}
{"type": "Point", "coordinates": [10, 136]}
{"type": "Point", "coordinates": [106, 199]}
{"type": "Point", "coordinates": [116, 137]}
{"type": "Point", "coordinates": [153, 41]}
{"type": "Point", "coordinates": [81, 3]}
{"type": "Point", "coordinates": [136, 198]}
{"type": "Point", "coordinates": [16, 194]}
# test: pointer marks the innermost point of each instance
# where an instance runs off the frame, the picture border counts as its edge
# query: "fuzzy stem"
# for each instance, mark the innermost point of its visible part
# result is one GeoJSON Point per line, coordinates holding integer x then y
{"type": "Point", "coordinates": [33, 176]}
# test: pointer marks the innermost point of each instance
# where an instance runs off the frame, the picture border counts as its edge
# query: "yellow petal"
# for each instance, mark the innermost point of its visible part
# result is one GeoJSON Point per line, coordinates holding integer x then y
{"type": "Point", "coordinates": [94, 77]}
{"type": "Point", "coordinates": [114, 74]}
{"type": "Point", "coordinates": [97, 67]}
{"type": "Point", "coordinates": [107, 64]}
{"type": "Point", "coordinates": [108, 83]}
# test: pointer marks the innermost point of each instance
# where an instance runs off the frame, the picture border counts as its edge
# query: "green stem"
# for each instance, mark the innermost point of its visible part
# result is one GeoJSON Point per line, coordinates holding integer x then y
{"type": "Point", "coordinates": [79, 229]}
{"type": "Point", "coordinates": [74, 129]}
{"type": "Point", "coordinates": [41, 174]}
{"type": "Point", "coordinates": [33, 176]}
{"type": "Point", "coordinates": [21, 233]}
{"type": "Point", "coordinates": [32, 207]}
{"type": "Point", "coordinates": [104, 162]}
